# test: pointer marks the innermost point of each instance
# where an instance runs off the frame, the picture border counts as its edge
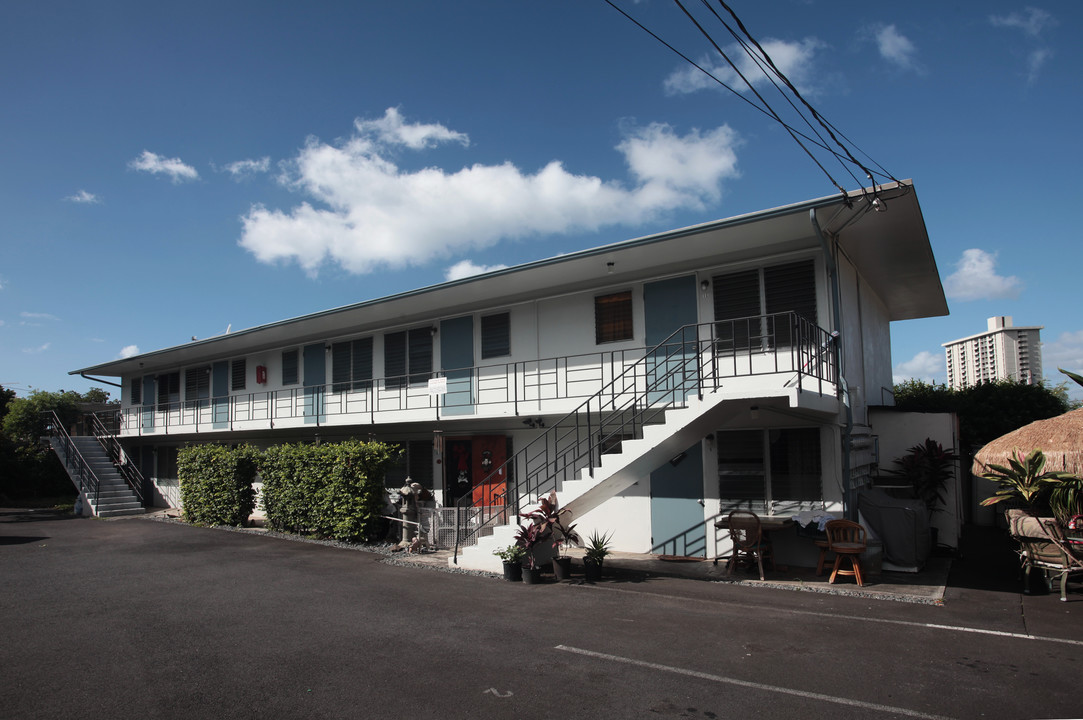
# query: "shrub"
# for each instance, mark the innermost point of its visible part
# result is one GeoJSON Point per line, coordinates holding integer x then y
{"type": "Point", "coordinates": [216, 483]}
{"type": "Point", "coordinates": [334, 490]}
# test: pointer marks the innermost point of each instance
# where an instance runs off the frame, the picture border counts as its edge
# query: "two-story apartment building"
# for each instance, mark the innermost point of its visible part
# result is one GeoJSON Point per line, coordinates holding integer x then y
{"type": "Point", "coordinates": [655, 383]}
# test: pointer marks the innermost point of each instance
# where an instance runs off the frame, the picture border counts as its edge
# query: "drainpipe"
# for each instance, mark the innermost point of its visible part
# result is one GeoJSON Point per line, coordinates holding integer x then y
{"type": "Point", "coordinates": [842, 391]}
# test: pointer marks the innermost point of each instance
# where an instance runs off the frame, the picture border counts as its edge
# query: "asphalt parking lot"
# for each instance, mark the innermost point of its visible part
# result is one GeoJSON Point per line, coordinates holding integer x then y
{"type": "Point", "coordinates": [143, 619]}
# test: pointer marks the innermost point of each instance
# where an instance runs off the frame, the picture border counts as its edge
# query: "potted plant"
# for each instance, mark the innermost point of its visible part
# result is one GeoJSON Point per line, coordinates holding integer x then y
{"type": "Point", "coordinates": [597, 548]}
{"type": "Point", "coordinates": [529, 537]}
{"type": "Point", "coordinates": [927, 468]}
{"type": "Point", "coordinates": [512, 556]}
{"type": "Point", "coordinates": [1024, 481]}
{"type": "Point", "coordinates": [546, 528]}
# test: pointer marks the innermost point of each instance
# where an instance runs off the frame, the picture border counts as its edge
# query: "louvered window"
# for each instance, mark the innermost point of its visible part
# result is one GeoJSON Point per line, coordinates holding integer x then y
{"type": "Point", "coordinates": [789, 288]}
{"type": "Point", "coordinates": [395, 359]}
{"type": "Point", "coordinates": [168, 388]}
{"type": "Point", "coordinates": [290, 367]}
{"type": "Point", "coordinates": [746, 304]}
{"type": "Point", "coordinates": [197, 384]}
{"type": "Point", "coordinates": [758, 468]}
{"type": "Point", "coordinates": [351, 365]}
{"type": "Point", "coordinates": [238, 373]}
{"type": "Point", "coordinates": [420, 355]}
{"type": "Point", "coordinates": [613, 317]}
{"type": "Point", "coordinates": [737, 310]}
{"type": "Point", "coordinates": [135, 386]}
{"type": "Point", "coordinates": [495, 335]}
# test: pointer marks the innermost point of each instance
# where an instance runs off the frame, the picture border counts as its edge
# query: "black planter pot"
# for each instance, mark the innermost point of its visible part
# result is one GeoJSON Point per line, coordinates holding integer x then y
{"type": "Point", "coordinates": [562, 568]}
{"type": "Point", "coordinates": [592, 569]}
{"type": "Point", "coordinates": [513, 572]}
{"type": "Point", "coordinates": [532, 576]}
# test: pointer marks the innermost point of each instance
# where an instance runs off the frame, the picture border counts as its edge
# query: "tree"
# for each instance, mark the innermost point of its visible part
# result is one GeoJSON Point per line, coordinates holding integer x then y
{"type": "Point", "coordinates": [987, 410]}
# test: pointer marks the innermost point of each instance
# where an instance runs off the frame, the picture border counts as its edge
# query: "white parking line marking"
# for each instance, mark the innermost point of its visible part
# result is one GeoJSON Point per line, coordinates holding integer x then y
{"type": "Point", "coordinates": [864, 618]}
{"type": "Point", "coordinates": [753, 685]}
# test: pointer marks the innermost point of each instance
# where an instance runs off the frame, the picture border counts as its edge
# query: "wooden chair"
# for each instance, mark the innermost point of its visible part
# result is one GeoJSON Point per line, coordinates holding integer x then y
{"type": "Point", "coordinates": [846, 539]}
{"type": "Point", "coordinates": [749, 544]}
{"type": "Point", "coordinates": [1043, 545]}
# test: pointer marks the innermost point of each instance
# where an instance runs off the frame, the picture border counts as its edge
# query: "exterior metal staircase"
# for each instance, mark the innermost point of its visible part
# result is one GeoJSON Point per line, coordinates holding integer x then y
{"type": "Point", "coordinates": [656, 408]}
{"type": "Point", "coordinates": [94, 472]}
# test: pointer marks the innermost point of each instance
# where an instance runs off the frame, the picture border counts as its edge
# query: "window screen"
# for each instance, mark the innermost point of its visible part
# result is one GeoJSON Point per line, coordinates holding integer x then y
{"type": "Point", "coordinates": [420, 355]}
{"type": "Point", "coordinates": [238, 373]}
{"type": "Point", "coordinates": [495, 335]}
{"type": "Point", "coordinates": [395, 359]}
{"type": "Point", "coordinates": [737, 309]}
{"type": "Point", "coordinates": [790, 288]}
{"type": "Point", "coordinates": [289, 367]}
{"type": "Point", "coordinates": [136, 390]}
{"type": "Point", "coordinates": [613, 317]}
{"type": "Point", "coordinates": [168, 388]}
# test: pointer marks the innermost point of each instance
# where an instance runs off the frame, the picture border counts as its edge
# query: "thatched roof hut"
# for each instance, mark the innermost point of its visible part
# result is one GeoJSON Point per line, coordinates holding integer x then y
{"type": "Point", "coordinates": [1060, 438]}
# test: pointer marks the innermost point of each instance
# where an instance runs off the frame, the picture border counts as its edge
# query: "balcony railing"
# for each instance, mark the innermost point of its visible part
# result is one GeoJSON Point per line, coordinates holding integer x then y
{"type": "Point", "coordinates": [694, 360]}
{"type": "Point", "coordinates": [743, 347]}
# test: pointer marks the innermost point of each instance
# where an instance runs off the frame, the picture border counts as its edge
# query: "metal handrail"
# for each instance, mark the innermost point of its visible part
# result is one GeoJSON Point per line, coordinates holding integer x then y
{"type": "Point", "coordinates": [112, 447]}
{"type": "Point", "coordinates": [692, 359]}
{"type": "Point", "coordinates": [88, 481]}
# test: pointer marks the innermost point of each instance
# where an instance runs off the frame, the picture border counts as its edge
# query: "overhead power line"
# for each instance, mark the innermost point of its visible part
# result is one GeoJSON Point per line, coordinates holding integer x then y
{"type": "Point", "coordinates": [822, 134]}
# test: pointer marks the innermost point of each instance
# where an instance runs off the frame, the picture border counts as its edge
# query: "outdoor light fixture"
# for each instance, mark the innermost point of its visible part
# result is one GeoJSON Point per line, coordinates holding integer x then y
{"type": "Point", "coordinates": [676, 459]}
{"type": "Point", "coordinates": [432, 331]}
{"type": "Point", "coordinates": [879, 205]}
{"type": "Point", "coordinates": [609, 267]}
{"type": "Point", "coordinates": [754, 412]}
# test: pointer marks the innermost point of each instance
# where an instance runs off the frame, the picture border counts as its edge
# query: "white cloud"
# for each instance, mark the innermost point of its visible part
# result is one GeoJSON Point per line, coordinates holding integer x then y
{"type": "Point", "coordinates": [35, 319]}
{"type": "Point", "coordinates": [1032, 23]}
{"type": "Point", "coordinates": [467, 268]}
{"type": "Point", "coordinates": [37, 350]}
{"type": "Point", "coordinates": [155, 164]}
{"type": "Point", "coordinates": [925, 366]}
{"type": "Point", "coordinates": [246, 168]}
{"type": "Point", "coordinates": [367, 213]}
{"type": "Point", "coordinates": [975, 278]}
{"type": "Point", "coordinates": [391, 130]}
{"type": "Point", "coordinates": [1035, 62]}
{"type": "Point", "coordinates": [84, 198]}
{"type": "Point", "coordinates": [895, 47]}
{"type": "Point", "coordinates": [128, 351]}
{"type": "Point", "coordinates": [794, 59]}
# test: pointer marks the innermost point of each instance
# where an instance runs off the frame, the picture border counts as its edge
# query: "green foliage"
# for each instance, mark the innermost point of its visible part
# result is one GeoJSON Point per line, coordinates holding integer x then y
{"type": "Point", "coordinates": [597, 546]}
{"type": "Point", "coordinates": [216, 483]}
{"type": "Point", "coordinates": [927, 467]}
{"type": "Point", "coordinates": [334, 490]}
{"type": "Point", "coordinates": [987, 410]}
{"type": "Point", "coordinates": [25, 422]}
{"type": "Point", "coordinates": [1024, 479]}
{"type": "Point", "coordinates": [513, 553]}
{"type": "Point", "coordinates": [1066, 499]}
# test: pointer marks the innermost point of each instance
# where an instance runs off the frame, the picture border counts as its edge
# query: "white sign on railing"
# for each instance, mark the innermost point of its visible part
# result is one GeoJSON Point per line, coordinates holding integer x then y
{"type": "Point", "coordinates": [438, 386]}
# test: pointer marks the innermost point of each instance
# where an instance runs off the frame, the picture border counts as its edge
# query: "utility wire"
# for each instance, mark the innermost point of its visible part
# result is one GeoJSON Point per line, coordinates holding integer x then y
{"type": "Point", "coordinates": [822, 144]}
{"type": "Point", "coordinates": [737, 70]}
{"type": "Point", "coordinates": [763, 61]}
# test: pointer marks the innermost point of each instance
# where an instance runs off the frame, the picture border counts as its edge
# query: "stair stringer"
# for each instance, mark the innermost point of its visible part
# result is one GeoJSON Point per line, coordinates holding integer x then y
{"type": "Point", "coordinates": [638, 458]}
{"type": "Point", "coordinates": [660, 442]}
{"type": "Point", "coordinates": [115, 498]}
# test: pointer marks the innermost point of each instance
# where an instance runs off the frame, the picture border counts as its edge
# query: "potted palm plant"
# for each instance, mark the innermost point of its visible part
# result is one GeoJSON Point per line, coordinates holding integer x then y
{"type": "Point", "coordinates": [597, 548]}
{"type": "Point", "coordinates": [512, 556]}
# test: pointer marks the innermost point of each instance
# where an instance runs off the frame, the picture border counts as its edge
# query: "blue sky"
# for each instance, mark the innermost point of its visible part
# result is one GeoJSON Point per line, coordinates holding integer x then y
{"type": "Point", "coordinates": [171, 170]}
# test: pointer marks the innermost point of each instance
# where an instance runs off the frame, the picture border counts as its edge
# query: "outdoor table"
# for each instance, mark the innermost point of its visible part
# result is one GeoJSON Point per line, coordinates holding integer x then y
{"type": "Point", "coordinates": [767, 522]}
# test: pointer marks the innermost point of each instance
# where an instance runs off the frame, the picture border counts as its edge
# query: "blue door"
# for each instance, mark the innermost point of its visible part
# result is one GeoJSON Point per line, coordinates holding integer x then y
{"type": "Point", "coordinates": [677, 525]}
{"type": "Point", "coordinates": [149, 397]}
{"type": "Point", "coordinates": [315, 375]}
{"type": "Point", "coordinates": [457, 362]}
{"type": "Point", "coordinates": [220, 395]}
{"type": "Point", "coordinates": [671, 369]}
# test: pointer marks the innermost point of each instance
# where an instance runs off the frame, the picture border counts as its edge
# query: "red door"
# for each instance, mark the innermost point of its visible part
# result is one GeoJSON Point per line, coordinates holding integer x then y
{"type": "Point", "coordinates": [490, 452]}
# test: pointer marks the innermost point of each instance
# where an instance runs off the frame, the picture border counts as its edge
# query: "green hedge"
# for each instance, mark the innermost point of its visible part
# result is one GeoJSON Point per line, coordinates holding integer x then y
{"type": "Point", "coordinates": [334, 490]}
{"type": "Point", "coordinates": [216, 483]}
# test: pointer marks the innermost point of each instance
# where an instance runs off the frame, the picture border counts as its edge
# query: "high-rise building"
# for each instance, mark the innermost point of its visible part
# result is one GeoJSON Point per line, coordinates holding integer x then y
{"type": "Point", "coordinates": [1002, 352]}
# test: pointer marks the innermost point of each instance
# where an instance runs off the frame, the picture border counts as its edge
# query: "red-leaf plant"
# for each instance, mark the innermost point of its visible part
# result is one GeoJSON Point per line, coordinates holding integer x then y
{"type": "Point", "coordinates": [544, 525]}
